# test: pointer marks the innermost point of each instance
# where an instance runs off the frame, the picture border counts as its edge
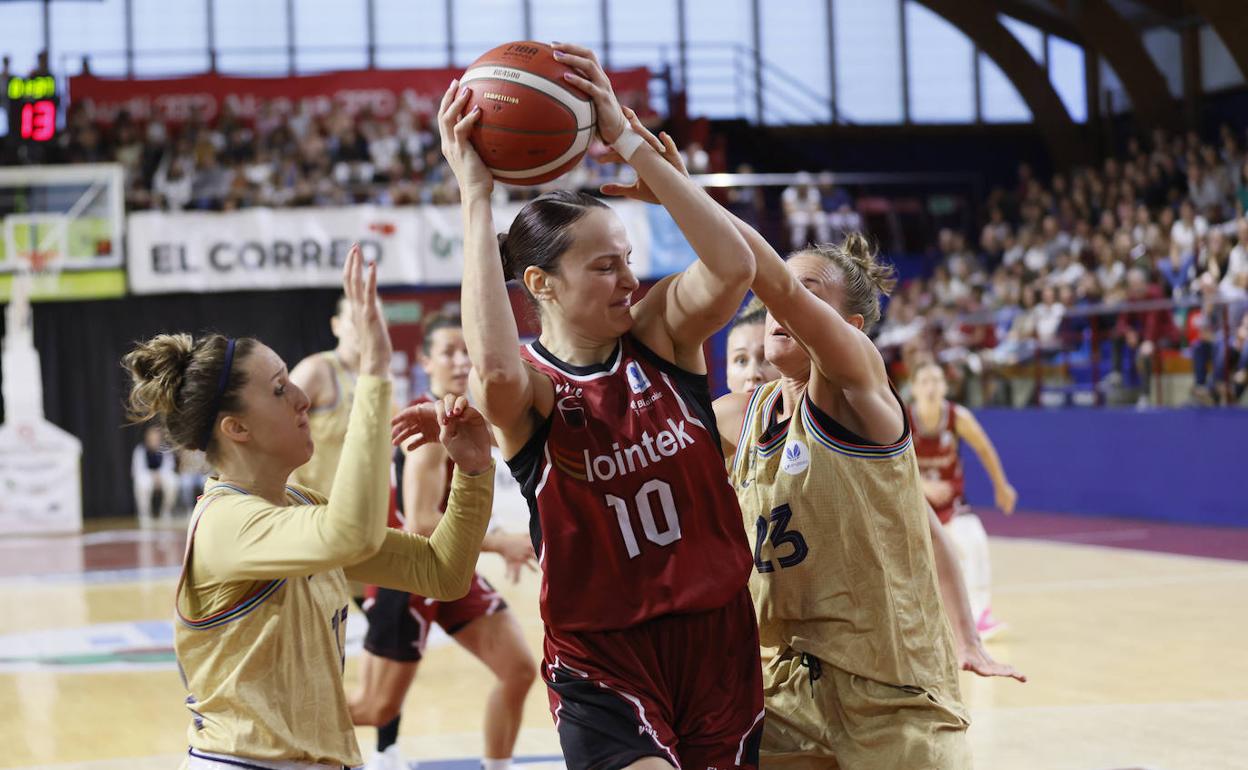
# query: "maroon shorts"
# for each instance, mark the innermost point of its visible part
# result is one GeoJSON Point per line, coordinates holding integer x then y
{"type": "Point", "coordinates": [685, 688]}
{"type": "Point", "coordinates": [399, 622]}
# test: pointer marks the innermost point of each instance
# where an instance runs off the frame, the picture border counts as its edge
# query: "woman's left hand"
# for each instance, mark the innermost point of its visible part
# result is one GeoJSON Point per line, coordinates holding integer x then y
{"type": "Point", "coordinates": [590, 78]}
{"type": "Point", "coordinates": [663, 144]}
{"type": "Point", "coordinates": [452, 422]}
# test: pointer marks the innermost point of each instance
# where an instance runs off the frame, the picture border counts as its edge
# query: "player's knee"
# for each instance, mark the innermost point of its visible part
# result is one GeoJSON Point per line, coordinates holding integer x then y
{"type": "Point", "coordinates": [376, 711]}
{"type": "Point", "coordinates": [520, 674]}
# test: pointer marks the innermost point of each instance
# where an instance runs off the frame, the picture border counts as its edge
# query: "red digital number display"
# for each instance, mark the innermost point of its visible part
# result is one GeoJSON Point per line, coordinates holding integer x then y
{"type": "Point", "coordinates": [39, 120]}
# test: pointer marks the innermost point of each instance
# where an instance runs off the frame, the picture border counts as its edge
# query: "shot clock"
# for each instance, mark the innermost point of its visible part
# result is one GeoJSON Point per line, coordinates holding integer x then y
{"type": "Point", "coordinates": [32, 108]}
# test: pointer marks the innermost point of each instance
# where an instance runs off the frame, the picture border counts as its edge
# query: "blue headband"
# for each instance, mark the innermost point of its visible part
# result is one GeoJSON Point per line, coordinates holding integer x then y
{"type": "Point", "coordinates": [222, 382]}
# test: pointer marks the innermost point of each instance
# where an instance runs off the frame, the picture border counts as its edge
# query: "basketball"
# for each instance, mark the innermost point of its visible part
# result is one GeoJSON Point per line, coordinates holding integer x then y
{"type": "Point", "coordinates": [534, 126]}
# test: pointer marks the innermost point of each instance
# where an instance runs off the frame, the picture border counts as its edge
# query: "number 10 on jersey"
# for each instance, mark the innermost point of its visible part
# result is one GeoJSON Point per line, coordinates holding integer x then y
{"type": "Point", "coordinates": [653, 492]}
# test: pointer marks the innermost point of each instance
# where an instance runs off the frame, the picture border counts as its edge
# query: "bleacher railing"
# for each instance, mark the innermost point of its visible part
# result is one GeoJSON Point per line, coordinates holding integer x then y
{"type": "Point", "coordinates": [1161, 352]}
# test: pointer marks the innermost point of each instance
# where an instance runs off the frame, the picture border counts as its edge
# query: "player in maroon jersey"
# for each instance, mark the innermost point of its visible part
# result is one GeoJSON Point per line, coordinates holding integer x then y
{"type": "Point", "coordinates": [651, 648]}
{"type": "Point", "coordinates": [399, 622]}
{"type": "Point", "coordinates": [939, 428]}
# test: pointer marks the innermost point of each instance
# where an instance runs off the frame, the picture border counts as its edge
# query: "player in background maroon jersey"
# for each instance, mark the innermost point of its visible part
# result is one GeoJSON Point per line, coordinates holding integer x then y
{"type": "Point", "coordinates": [651, 648]}
{"type": "Point", "coordinates": [939, 427]}
{"type": "Point", "coordinates": [399, 623]}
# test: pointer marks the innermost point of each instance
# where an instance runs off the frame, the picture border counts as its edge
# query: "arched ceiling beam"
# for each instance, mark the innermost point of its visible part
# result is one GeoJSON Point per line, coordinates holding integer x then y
{"type": "Point", "coordinates": [977, 19]}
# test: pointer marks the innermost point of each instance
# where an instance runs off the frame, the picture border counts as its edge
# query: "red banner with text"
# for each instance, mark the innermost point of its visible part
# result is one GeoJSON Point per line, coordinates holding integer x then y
{"type": "Point", "coordinates": [379, 92]}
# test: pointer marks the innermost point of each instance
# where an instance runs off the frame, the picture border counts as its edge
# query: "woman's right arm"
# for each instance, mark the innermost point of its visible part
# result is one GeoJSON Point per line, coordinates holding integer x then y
{"type": "Point", "coordinates": [440, 566]}
{"type": "Point", "coordinates": [252, 538]}
{"type": "Point", "coordinates": [501, 383]}
{"type": "Point", "coordinates": [245, 537]}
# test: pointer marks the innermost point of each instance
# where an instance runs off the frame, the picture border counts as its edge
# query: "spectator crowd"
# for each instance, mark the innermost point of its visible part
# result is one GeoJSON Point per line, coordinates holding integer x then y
{"type": "Point", "coordinates": [1145, 257]}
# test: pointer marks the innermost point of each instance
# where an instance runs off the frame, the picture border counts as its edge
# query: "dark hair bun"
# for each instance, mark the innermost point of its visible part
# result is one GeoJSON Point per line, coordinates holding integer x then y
{"type": "Point", "coordinates": [157, 368]}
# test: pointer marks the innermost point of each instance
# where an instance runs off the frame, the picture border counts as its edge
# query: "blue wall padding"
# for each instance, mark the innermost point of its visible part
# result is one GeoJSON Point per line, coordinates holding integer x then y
{"type": "Point", "coordinates": [1178, 465]}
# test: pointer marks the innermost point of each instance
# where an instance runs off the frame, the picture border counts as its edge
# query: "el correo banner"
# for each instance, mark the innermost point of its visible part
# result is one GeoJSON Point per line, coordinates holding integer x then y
{"type": "Point", "coordinates": [264, 249]}
{"type": "Point", "coordinates": [267, 249]}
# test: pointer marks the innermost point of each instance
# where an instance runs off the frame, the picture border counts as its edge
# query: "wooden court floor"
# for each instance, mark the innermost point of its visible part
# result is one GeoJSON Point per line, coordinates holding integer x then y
{"type": "Point", "coordinates": [1136, 659]}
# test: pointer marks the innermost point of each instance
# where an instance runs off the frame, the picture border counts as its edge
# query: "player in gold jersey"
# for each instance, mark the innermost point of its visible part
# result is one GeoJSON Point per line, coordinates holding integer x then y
{"type": "Point", "coordinates": [262, 599]}
{"type": "Point", "coordinates": [955, 585]}
{"type": "Point", "coordinates": [845, 583]}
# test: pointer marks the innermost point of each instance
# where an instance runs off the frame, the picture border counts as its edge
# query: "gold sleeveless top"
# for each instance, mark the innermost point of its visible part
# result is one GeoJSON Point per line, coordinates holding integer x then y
{"type": "Point", "coordinates": [844, 568]}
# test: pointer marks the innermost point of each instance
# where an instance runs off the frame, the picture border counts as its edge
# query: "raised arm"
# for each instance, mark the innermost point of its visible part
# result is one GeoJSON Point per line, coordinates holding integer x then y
{"type": "Point", "coordinates": [251, 538]}
{"type": "Point", "coordinates": [689, 307]}
{"type": "Point", "coordinates": [501, 383]}
{"type": "Point", "coordinates": [838, 349]}
{"type": "Point", "coordinates": [969, 429]}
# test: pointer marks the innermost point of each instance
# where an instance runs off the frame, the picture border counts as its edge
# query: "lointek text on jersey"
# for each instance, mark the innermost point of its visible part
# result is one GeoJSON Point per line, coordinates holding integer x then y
{"type": "Point", "coordinates": [637, 456]}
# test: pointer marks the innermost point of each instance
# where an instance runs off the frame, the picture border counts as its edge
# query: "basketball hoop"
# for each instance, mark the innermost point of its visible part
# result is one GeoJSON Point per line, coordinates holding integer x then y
{"type": "Point", "coordinates": [36, 262]}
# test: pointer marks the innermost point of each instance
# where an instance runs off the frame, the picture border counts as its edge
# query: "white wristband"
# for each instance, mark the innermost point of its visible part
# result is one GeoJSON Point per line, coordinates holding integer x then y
{"type": "Point", "coordinates": [627, 143]}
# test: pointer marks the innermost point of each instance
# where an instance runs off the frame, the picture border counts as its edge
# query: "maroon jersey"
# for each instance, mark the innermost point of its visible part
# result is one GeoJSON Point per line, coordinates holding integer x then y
{"type": "Point", "coordinates": [631, 511]}
{"type": "Point", "coordinates": [939, 459]}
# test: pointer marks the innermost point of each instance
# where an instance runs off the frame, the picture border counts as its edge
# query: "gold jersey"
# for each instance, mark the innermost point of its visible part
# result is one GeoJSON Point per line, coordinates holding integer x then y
{"type": "Point", "coordinates": [328, 425]}
{"type": "Point", "coordinates": [844, 569]}
{"type": "Point", "coordinates": [262, 600]}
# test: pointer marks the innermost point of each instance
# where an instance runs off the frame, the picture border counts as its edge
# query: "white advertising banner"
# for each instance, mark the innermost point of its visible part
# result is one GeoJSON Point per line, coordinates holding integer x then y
{"type": "Point", "coordinates": [266, 249]}
{"type": "Point", "coordinates": [263, 249]}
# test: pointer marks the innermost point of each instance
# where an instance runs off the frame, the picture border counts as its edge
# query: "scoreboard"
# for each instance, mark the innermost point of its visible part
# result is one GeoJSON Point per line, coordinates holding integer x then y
{"type": "Point", "coordinates": [32, 108]}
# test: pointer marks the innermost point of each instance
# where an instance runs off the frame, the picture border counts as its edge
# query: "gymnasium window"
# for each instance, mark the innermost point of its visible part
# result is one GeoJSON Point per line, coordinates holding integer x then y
{"type": "Point", "coordinates": [98, 29]}
{"type": "Point", "coordinates": [796, 73]}
{"type": "Point", "coordinates": [721, 42]}
{"type": "Point", "coordinates": [1166, 49]}
{"type": "Point", "coordinates": [330, 35]}
{"type": "Point", "coordinates": [1031, 37]}
{"type": "Point", "coordinates": [643, 34]}
{"type": "Point", "coordinates": [868, 61]}
{"type": "Point", "coordinates": [941, 67]}
{"type": "Point", "coordinates": [410, 34]}
{"type": "Point", "coordinates": [1068, 77]}
{"type": "Point", "coordinates": [1001, 100]}
{"type": "Point", "coordinates": [479, 25]}
{"type": "Point", "coordinates": [169, 38]}
{"type": "Point", "coordinates": [569, 21]}
{"type": "Point", "coordinates": [251, 37]}
{"type": "Point", "coordinates": [1217, 67]}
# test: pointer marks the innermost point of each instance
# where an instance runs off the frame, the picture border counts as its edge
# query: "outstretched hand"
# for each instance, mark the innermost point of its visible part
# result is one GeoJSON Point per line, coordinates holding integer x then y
{"type": "Point", "coordinates": [359, 287]}
{"type": "Point", "coordinates": [974, 658]}
{"type": "Point", "coordinates": [452, 422]}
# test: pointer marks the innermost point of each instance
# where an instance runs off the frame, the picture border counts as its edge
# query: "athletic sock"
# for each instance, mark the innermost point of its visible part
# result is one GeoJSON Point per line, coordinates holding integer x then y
{"type": "Point", "coordinates": [496, 764]}
{"type": "Point", "coordinates": [388, 734]}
